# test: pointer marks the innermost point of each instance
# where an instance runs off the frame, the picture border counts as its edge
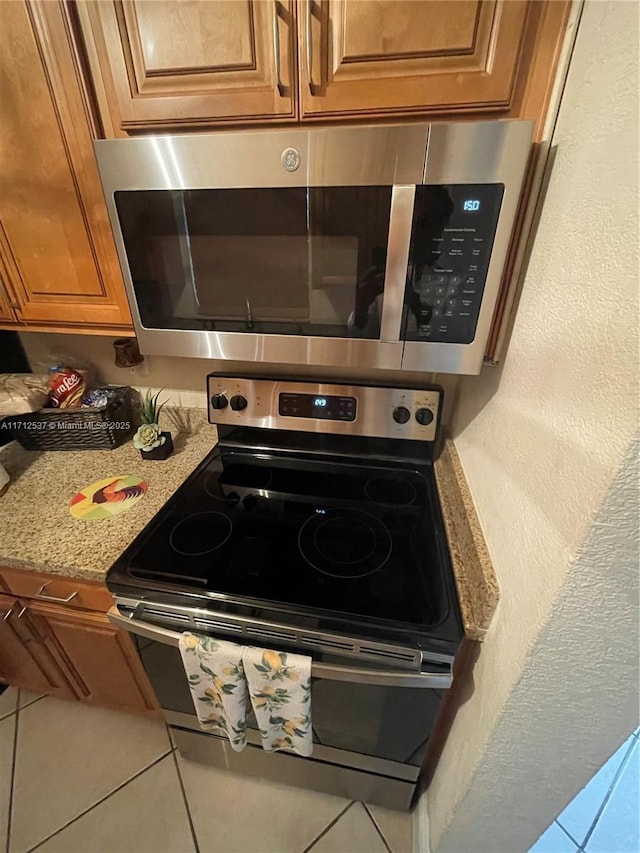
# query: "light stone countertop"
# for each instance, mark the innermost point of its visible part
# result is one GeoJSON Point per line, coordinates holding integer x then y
{"type": "Point", "coordinates": [37, 531]}
{"type": "Point", "coordinates": [476, 581]}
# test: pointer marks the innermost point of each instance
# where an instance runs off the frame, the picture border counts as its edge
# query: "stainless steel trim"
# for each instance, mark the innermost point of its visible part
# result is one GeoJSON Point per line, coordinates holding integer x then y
{"type": "Point", "coordinates": [206, 619]}
{"type": "Point", "coordinates": [476, 152]}
{"type": "Point", "coordinates": [268, 349]}
{"type": "Point", "coordinates": [374, 413]}
{"type": "Point", "coordinates": [330, 754]}
{"type": "Point", "coordinates": [294, 770]}
{"type": "Point", "coordinates": [359, 675]}
{"type": "Point", "coordinates": [402, 199]}
{"type": "Point", "coordinates": [276, 47]}
{"type": "Point", "coordinates": [383, 155]}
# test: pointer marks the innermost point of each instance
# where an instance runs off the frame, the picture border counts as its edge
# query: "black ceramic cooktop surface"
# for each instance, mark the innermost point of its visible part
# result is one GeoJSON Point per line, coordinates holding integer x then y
{"type": "Point", "coordinates": [360, 540]}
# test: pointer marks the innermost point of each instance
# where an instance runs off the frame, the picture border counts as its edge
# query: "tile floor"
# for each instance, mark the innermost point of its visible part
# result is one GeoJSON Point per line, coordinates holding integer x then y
{"type": "Point", "coordinates": [605, 816]}
{"type": "Point", "coordinates": [75, 779]}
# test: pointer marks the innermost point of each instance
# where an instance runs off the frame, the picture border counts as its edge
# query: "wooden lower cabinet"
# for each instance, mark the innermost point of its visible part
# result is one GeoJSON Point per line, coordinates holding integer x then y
{"type": "Point", "coordinates": [71, 653]}
{"type": "Point", "coordinates": [101, 660]}
{"type": "Point", "coordinates": [25, 658]}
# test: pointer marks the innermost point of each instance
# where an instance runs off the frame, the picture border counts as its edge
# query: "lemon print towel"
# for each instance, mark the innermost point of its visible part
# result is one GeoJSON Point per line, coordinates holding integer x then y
{"type": "Point", "coordinates": [218, 686]}
{"type": "Point", "coordinates": [280, 691]}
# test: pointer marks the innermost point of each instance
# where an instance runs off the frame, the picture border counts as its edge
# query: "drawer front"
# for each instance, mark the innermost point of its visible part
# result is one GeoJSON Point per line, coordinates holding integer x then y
{"type": "Point", "coordinates": [54, 589]}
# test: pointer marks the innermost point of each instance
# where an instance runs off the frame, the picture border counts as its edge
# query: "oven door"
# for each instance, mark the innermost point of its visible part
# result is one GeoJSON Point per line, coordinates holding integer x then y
{"type": "Point", "coordinates": [367, 718]}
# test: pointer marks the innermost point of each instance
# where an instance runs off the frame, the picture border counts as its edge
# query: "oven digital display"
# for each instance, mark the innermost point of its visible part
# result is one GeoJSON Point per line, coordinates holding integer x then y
{"type": "Point", "coordinates": [314, 406]}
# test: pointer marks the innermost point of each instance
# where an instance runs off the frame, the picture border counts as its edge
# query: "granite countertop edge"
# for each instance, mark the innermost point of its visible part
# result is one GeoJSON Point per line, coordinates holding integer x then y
{"type": "Point", "coordinates": [476, 581]}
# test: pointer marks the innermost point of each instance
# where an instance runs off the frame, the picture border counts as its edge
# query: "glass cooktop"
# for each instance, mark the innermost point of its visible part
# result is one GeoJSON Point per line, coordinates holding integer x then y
{"type": "Point", "coordinates": [343, 537]}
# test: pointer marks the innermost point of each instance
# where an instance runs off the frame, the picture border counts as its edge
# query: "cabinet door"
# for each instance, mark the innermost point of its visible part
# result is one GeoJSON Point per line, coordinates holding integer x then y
{"type": "Point", "coordinates": [100, 659]}
{"type": "Point", "coordinates": [398, 56]}
{"type": "Point", "coordinates": [25, 660]}
{"type": "Point", "coordinates": [189, 62]}
{"type": "Point", "coordinates": [55, 241]}
{"type": "Point", "coordinates": [7, 300]}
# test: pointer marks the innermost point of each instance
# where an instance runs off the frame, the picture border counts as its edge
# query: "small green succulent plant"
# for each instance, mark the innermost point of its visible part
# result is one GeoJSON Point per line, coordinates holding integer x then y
{"type": "Point", "coordinates": [148, 436]}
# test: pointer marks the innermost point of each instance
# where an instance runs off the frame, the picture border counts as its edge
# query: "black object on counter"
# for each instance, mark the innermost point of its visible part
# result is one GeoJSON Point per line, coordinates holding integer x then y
{"type": "Point", "coordinates": [75, 429]}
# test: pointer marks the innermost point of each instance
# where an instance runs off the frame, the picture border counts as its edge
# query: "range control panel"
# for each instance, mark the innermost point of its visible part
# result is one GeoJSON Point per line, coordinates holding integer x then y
{"type": "Point", "coordinates": [325, 407]}
{"type": "Point", "coordinates": [451, 242]}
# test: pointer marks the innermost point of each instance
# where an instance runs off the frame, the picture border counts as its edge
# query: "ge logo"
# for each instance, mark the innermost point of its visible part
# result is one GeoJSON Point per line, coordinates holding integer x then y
{"type": "Point", "coordinates": [290, 159]}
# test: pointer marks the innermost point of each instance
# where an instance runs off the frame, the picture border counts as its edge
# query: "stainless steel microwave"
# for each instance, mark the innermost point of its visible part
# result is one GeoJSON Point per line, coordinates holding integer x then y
{"type": "Point", "coordinates": [362, 246]}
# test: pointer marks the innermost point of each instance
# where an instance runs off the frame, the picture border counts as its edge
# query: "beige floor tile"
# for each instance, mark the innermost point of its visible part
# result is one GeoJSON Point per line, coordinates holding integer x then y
{"type": "Point", "coordinates": [239, 814]}
{"type": "Point", "coordinates": [7, 729]}
{"type": "Point", "coordinates": [146, 816]}
{"type": "Point", "coordinates": [8, 701]}
{"type": "Point", "coordinates": [68, 757]}
{"type": "Point", "coordinates": [27, 697]}
{"type": "Point", "coordinates": [397, 828]}
{"type": "Point", "coordinates": [353, 833]}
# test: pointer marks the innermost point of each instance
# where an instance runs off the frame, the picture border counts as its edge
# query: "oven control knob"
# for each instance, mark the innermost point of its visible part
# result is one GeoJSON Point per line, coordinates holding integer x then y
{"type": "Point", "coordinates": [401, 414]}
{"type": "Point", "coordinates": [424, 416]}
{"type": "Point", "coordinates": [219, 401]}
{"type": "Point", "coordinates": [238, 403]}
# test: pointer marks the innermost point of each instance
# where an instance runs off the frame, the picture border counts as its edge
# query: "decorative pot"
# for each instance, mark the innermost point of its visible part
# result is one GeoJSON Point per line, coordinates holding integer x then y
{"type": "Point", "coordinates": [162, 451]}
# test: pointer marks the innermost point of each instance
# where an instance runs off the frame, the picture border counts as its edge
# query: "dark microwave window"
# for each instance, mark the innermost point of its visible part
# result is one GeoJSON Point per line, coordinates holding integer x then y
{"type": "Point", "coordinates": [294, 260]}
{"type": "Point", "coordinates": [451, 241]}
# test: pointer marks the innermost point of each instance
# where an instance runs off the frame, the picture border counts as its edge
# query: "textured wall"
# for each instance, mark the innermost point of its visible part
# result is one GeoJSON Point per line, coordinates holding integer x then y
{"type": "Point", "coordinates": [541, 441]}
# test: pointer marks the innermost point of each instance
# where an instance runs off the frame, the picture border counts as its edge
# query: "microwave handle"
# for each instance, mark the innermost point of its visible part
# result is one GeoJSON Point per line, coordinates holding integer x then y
{"type": "Point", "coordinates": [398, 244]}
{"type": "Point", "coordinates": [355, 675]}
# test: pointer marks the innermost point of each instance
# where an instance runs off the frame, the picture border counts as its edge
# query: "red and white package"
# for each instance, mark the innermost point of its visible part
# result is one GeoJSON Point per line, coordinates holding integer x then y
{"type": "Point", "coordinates": [67, 387]}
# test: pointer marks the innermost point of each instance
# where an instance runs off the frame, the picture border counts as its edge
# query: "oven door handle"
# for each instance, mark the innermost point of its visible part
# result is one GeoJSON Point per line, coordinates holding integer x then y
{"type": "Point", "coordinates": [356, 675]}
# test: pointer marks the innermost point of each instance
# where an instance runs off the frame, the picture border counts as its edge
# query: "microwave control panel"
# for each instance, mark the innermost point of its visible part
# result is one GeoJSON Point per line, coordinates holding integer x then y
{"type": "Point", "coordinates": [451, 242]}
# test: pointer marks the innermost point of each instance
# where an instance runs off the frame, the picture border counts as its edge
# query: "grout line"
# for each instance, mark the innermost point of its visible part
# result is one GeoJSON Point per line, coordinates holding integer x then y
{"type": "Point", "coordinates": [99, 802]}
{"type": "Point", "coordinates": [379, 830]}
{"type": "Point", "coordinates": [186, 802]}
{"type": "Point", "coordinates": [328, 827]}
{"type": "Point", "coordinates": [566, 832]}
{"type": "Point", "coordinates": [607, 796]}
{"type": "Point", "coordinates": [13, 774]}
{"type": "Point", "coordinates": [31, 702]}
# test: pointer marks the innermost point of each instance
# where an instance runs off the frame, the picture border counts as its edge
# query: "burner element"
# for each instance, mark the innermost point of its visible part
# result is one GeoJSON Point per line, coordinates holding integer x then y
{"type": "Point", "coordinates": [345, 543]}
{"type": "Point", "coordinates": [200, 533]}
{"type": "Point", "coordinates": [390, 491]}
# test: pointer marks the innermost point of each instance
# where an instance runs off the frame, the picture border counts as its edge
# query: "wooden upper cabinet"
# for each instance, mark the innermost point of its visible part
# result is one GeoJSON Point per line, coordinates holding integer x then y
{"type": "Point", "coordinates": [402, 56]}
{"type": "Point", "coordinates": [56, 244]}
{"type": "Point", "coordinates": [7, 314]}
{"type": "Point", "coordinates": [189, 62]}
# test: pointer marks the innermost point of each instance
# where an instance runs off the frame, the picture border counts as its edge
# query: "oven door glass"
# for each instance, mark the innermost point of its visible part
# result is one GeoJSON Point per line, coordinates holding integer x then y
{"type": "Point", "coordinates": [391, 723]}
{"type": "Point", "coordinates": [289, 261]}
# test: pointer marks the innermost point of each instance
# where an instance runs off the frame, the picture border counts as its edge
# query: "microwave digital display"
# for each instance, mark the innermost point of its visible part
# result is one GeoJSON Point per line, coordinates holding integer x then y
{"type": "Point", "coordinates": [328, 408]}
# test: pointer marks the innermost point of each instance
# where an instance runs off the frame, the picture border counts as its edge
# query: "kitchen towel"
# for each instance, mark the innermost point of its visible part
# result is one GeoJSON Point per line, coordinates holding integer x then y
{"type": "Point", "coordinates": [280, 691]}
{"type": "Point", "coordinates": [218, 686]}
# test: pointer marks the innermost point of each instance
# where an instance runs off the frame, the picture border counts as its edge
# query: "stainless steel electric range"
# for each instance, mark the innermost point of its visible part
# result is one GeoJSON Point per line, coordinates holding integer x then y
{"type": "Point", "coordinates": [314, 526]}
